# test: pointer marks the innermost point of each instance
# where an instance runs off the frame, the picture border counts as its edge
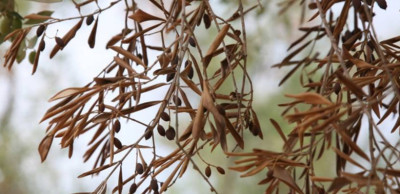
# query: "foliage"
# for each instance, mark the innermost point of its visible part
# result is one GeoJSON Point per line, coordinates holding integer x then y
{"type": "Point", "coordinates": [355, 83]}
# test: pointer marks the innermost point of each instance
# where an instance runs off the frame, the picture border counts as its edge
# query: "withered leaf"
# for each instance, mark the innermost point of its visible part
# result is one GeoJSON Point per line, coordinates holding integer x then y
{"type": "Point", "coordinates": [44, 146]}
{"type": "Point", "coordinates": [283, 175]}
{"type": "Point", "coordinates": [92, 36]}
{"type": "Point", "coordinates": [351, 85]}
{"type": "Point", "coordinates": [338, 183]}
{"type": "Point", "coordinates": [38, 17]}
{"type": "Point", "coordinates": [101, 189]}
{"type": "Point", "coordinates": [139, 107]}
{"type": "Point", "coordinates": [170, 76]}
{"type": "Point", "coordinates": [67, 92]}
{"type": "Point", "coordinates": [66, 38]}
{"type": "Point", "coordinates": [215, 44]}
{"type": "Point", "coordinates": [141, 16]}
{"type": "Point", "coordinates": [310, 98]}
{"type": "Point", "coordinates": [128, 55]}
{"type": "Point", "coordinates": [96, 170]}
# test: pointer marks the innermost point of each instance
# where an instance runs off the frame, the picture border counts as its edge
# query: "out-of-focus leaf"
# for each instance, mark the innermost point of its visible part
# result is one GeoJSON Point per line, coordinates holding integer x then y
{"type": "Point", "coordinates": [34, 18]}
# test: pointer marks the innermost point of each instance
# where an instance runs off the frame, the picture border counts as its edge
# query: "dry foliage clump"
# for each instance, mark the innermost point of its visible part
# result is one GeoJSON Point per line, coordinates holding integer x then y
{"type": "Point", "coordinates": [348, 92]}
{"type": "Point", "coordinates": [354, 86]}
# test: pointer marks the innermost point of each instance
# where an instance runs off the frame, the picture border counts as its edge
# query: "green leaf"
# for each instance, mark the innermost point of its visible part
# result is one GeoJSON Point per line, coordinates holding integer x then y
{"type": "Point", "coordinates": [35, 21]}
{"type": "Point", "coordinates": [21, 52]}
{"type": "Point", "coordinates": [32, 42]}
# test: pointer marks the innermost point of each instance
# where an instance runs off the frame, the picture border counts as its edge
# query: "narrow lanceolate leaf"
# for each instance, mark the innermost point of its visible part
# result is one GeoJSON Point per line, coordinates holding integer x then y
{"type": "Point", "coordinates": [215, 44]}
{"type": "Point", "coordinates": [139, 107]}
{"type": "Point", "coordinates": [38, 17]}
{"type": "Point", "coordinates": [44, 146]}
{"type": "Point", "coordinates": [283, 175]}
{"type": "Point", "coordinates": [351, 86]}
{"type": "Point", "coordinates": [310, 98]}
{"type": "Point", "coordinates": [128, 55]}
{"type": "Point", "coordinates": [44, 15]}
{"type": "Point", "coordinates": [67, 92]}
{"type": "Point", "coordinates": [96, 170]}
{"type": "Point", "coordinates": [101, 189]}
{"type": "Point", "coordinates": [66, 38]}
{"type": "Point", "coordinates": [92, 37]}
{"type": "Point", "coordinates": [36, 61]}
{"type": "Point", "coordinates": [141, 16]}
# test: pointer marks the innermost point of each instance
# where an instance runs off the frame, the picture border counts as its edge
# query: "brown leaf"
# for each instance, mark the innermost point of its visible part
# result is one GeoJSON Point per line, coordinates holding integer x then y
{"type": "Point", "coordinates": [283, 175]}
{"type": "Point", "coordinates": [66, 38]}
{"type": "Point", "coordinates": [215, 44]}
{"type": "Point", "coordinates": [38, 17]}
{"type": "Point", "coordinates": [310, 98]}
{"type": "Point", "coordinates": [141, 16]}
{"type": "Point", "coordinates": [44, 146]}
{"type": "Point", "coordinates": [278, 128]}
{"type": "Point", "coordinates": [101, 189]}
{"type": "Point", "coordinates": [92, 36]}
{"type": "Point", "coordinates": [351, 85]}
{"type": "Point", "coordinates": [67, 92]}
{"type": "Point", "coordinates": [96, 170]}
{"type": "Point", "coordinates": [139, 107]}
{"type": "Point", "coordinates": [350, 142]}
{"type": "Point", "coordinates": [128, 55]}
{"type": "Point", "coordinates": [338, 183]}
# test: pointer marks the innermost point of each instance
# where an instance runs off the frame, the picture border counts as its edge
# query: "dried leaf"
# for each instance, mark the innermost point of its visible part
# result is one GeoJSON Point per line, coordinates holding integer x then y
{"type": "Point", "coordinates": [285, 177]}
{"type": "Point", "coordinates": [215, 44]}
{"type": "Point", "coordinates": [96, 170]}
{"type": "Point", "coordinates": [92, 36]}
{"type": "Point", "coordinates": [101, 189]}
{"type": "Point", "coordinates": [44, 146]}
{"type": "Point", "coordinates": [128, 55]}
{"type": "Point", "coordinates": [310, 98]}
{"type": "Point", "coordinates": [141, 16]}
{"type": "Point", "coordinates": [67, 93]}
